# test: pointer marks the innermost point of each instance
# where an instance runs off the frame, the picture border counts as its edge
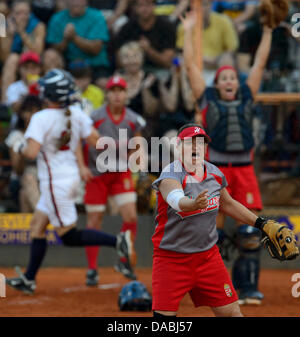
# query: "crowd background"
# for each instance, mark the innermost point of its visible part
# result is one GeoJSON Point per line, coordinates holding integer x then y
{"type": "Point", "coordinates": [142, 41]}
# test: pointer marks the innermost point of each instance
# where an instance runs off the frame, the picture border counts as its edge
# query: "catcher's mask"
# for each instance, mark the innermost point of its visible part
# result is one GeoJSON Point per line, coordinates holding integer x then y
{"type": "Point", "coordinates": [134, 296]}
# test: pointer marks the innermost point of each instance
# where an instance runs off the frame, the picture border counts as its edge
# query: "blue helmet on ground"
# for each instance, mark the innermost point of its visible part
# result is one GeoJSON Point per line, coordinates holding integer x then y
{"type": "Point", "coordinates": [134, 296]}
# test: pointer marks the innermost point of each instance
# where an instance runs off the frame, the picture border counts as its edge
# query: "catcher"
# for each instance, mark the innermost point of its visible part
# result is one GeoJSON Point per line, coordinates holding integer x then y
{"type": "Point", "coordinates": [227, 116]}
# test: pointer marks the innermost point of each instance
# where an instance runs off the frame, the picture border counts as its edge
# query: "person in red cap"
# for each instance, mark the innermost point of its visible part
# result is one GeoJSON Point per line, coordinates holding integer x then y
{"type": "Point", "coordinates": [24, 32]}
{"type": "Point", "coordinates": [29, 70]}
{"type": "Point", "coordinates": [116, 82]}
{"type": "Point", "coordinates": [227, 115]}
{"type": "Point", "coordinates": [186, 258]}
{"type": "Point", "coordinates": [112, 179]}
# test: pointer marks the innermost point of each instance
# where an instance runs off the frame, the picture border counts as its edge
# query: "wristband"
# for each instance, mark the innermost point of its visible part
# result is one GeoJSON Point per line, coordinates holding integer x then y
{"type": "Point", "coordinates": [259, 222]}
{"type": "Point", "coordinates": [174, 197]}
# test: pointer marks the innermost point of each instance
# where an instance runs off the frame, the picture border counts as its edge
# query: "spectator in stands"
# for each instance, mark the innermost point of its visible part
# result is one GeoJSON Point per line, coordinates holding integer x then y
{"type": "Point", "coordinates": [155, 34]}
{"type": "Point", "coordinates": [114, 11]}
{"type": "Point", "coordinates": [93, 96]}
{"type": "Point", "coordinates": [240, 11]}
{"type": "Point", "coordinates": [4, 9]}
{"type": "Point", "coordinates": [80, 32]}
{"type": "Point", "coordinates": [279, 64]}
{"type": "Point", "coordinates": [171, 8]}
{"type": "Point", "coordinates": [24, 33]}
{"type": "Point", "coordinates": [142, 86]}
{"type": "Point", "coordinates": [220, 40]}
{"type": "Point", "coordinates": [177, 106]}
{"type": "Point", "coordinates": [243, 14]}
{"type": "Point", "coordinates": [177, 96]}
{"type": "Point", "coordinates": [29, 70]}
{"type": "Point", "coordinates": [25, 170]}
{"type": "Point", "coordinates": [52, 59]}
{"type": "Point", "coordinates": [43, 9]}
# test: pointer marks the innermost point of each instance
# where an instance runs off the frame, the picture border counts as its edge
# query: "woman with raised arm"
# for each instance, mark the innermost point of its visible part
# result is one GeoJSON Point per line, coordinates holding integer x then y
{"type": "Point", "coordinates": [226, 114]}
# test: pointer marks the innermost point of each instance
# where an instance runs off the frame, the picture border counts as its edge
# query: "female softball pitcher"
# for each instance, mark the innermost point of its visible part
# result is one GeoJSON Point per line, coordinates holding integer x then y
{"type": "Point", "coordinates": [186, 259]}
{"type": "Point", "coordinates": [52, 137]}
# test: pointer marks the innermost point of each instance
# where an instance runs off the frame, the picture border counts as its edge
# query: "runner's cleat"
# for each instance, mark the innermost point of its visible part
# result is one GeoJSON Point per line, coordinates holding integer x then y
{"type": "Point", "coordinates": [127, 254]}
{"type": "Point", "coordinates": [125, 269]}
{"type": "Point", "coordinates": [21, 283]}
{"type": "Point", "coordinates": [125, 247]}
{"type": "Point", "coordinates": [92, 278]}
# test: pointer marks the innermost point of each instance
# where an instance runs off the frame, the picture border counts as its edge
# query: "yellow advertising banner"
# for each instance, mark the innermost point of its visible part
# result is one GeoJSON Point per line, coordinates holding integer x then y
{"type": "Point", "coordinates": [15, 229]}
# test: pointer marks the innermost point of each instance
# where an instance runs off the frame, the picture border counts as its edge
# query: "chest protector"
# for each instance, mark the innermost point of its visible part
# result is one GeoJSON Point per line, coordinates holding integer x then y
{"type": "Point", "coordinates": [229, 124]}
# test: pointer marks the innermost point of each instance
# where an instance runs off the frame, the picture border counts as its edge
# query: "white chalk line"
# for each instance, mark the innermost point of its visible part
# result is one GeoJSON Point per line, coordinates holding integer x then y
{"type": "Point", "coordinates": [85, 288]}
{"type": "Point", "coordinates": [39, 300]}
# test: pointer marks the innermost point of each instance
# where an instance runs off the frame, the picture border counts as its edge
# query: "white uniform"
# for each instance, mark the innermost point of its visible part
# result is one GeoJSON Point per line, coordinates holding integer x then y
{"type": "Point", "coordinates": [58, 171]}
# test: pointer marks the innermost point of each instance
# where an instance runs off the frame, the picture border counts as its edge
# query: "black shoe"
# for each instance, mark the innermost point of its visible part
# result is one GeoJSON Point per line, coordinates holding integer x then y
{"type": "Point", "coordinates": [126, 252]}
{"type": "Point", "coordinates": [92, 278]}
{"type": "Point", "coordinates": [125, 247]}
{"type": "Point", "coordinates": [125, 269]}
{"type": "Point", "coordinates": [250, 298]}
{"type": "Point", "coordinates": [21, 283]}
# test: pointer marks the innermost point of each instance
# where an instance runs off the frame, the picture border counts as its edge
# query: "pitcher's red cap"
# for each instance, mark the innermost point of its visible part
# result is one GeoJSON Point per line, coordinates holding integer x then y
{"type": "Point", "coordinates": [193, 131]}
{"type": "Point", "coordinates": [116, 81]}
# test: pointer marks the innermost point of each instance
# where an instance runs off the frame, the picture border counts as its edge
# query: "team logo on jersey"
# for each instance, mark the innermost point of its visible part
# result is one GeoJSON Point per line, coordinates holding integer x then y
{"type": "Point", "coordinates": [213, 204]}
{"type": "Point", "coordinates": [127, 184]}
{"type": "Point", "coordinates": [227, 290]}
{"type": "Point", "coordinates": [249, 198]}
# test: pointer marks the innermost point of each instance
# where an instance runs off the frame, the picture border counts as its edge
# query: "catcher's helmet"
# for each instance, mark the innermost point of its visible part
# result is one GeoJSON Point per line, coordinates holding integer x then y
{"type": "Point", "coordinates": [134, 296]}
{"type": "Point", "coordinates": [58, 86]}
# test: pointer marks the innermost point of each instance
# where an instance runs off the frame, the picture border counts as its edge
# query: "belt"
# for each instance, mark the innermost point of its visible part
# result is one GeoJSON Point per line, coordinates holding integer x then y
{"type": "Point", "coordinates": [232, 164]}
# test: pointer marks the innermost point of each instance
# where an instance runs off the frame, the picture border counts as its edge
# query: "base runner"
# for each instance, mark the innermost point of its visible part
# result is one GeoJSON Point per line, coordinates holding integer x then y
{"type": "Point", "coordinates": [53, 136]}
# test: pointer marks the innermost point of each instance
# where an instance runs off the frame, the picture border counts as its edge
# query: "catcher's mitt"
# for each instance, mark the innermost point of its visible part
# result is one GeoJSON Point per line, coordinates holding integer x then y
{"type": "Point", "coordinates": [279, 239]}
{"type": "Point", "coordinates": [272, 12]}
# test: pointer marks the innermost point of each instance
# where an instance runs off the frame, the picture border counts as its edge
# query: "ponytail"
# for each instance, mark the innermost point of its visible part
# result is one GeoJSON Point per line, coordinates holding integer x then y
{"type": "Point", "coordinates": [65, 138]}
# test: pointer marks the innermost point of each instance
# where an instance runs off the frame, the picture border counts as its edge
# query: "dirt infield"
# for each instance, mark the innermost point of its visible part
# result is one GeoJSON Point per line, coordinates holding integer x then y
{"type": "Point", "coordinates": [61, 292]}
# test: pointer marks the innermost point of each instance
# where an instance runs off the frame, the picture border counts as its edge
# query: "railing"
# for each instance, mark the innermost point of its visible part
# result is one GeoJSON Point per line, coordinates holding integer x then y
{"type": "Point", "coordinates": [277, 98]}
